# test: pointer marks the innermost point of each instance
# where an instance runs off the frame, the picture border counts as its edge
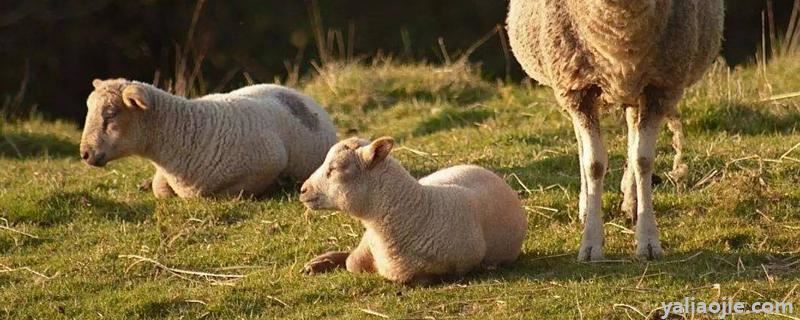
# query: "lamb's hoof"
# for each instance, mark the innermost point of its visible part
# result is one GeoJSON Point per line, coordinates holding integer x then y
{"type": "Point", "coordinates": [590, 253]}
{"type": "Point", "coordinates": [318, 266]}
{"type": "Point", "coordinates": [326, 262]}
{"type": "Point", "coordinates": [649, 250]}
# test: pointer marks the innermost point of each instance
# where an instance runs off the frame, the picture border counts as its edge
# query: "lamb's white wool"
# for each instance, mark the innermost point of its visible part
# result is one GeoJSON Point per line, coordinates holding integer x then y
{"type": "Point", "coordinates": [237, 143]}
{"type": "Point", "coordinates": [640, 54]}
{"type": "Point", "coordinates": [445, 224]}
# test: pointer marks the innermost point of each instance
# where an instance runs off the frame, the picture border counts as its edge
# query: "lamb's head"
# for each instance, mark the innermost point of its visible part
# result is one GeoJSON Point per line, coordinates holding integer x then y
{"type": "Point", "coordinates": [114, 128]}
{"type": "Point", "coordinates": [347, 178]}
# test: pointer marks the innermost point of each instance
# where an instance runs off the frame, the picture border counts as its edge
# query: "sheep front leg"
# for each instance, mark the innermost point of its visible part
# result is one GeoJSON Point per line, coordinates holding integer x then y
{"type": "Point", "coordinates": [584, 177]}
{"type": "Point", "coordinates": [583, 108]}
{"type": "Point", "coordinates": [655, 106]}
{"type": "Point", "coordinates": [161, 188]}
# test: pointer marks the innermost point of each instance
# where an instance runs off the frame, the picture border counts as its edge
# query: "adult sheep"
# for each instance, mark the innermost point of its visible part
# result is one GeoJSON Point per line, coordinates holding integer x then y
{"type": "Point", "coordinates": [640, 54]}
{"type": "Point", "coordinates": [231, 144]}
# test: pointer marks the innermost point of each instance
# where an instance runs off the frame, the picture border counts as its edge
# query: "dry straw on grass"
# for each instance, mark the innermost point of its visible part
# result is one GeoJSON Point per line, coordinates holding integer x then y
{"type": "Point", "coordinates": [214, 278]}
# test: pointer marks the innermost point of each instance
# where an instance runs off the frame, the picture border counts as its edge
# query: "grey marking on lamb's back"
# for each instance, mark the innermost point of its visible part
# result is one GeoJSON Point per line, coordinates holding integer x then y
{"type": "Point", "coordinates": [299, 110]}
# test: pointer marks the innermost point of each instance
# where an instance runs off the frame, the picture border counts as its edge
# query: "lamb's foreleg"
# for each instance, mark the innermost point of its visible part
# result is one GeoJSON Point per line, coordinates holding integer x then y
{"type": "Point", "coordinates": [326, 262]}
{"type": "Point", "coordinates": [360, 259]}
{"type": "Point", "coordinates": [583, 108]}
{"type": "Point", "coordinates": [161, 188]}
{"type": "Point", "coordinates": [356, 261]}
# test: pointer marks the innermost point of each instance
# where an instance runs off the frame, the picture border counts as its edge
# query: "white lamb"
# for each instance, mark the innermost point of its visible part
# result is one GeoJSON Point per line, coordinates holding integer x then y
{"type": "Point", "coordinates": [638, 54]}
{"type": "Point", "coordinates": [441, 226]}
{"type": "Point", "coordinates": [231, 144]}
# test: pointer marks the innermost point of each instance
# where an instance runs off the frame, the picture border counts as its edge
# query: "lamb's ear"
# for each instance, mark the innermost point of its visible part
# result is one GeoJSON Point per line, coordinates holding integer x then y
{"type": "Point", "coordinates": [136, 96]}
{"type": "Point", "coordinates": [96, 83]}
{"type": "Point", "coordinates": [377, 151]}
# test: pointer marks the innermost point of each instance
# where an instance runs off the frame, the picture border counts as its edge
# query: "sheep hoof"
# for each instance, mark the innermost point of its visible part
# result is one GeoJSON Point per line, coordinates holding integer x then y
{"type": "Point", "coordinates": [649, 250]}
{"type": "Point", "coordinates": [326, 262]}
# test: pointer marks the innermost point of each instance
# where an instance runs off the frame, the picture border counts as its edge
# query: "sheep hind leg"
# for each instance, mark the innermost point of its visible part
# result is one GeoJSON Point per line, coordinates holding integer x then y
{"type": "Point", "coordinates": [679, 168]}
{"type": "Point", "coordinates": [628, 184]}
{"type": "Point", "coordinates": [653, 109]}
{"type": "Point", "coordinates": [583, 108]}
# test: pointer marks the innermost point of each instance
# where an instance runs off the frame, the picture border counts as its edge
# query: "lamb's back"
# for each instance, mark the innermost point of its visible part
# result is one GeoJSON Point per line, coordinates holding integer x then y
{"type": "Point", "coordinates": [493, 202]}
{"type": "Point", "coordinates": [468, 176]}
{"type": "Point", "coordinates": [303, 126]}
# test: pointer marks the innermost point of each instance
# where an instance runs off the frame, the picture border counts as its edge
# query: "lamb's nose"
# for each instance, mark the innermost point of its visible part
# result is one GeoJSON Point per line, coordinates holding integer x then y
{"type": "Point", "coordinates": [303, 190]}
{"type": "Point", "coordinates": [85, 155]}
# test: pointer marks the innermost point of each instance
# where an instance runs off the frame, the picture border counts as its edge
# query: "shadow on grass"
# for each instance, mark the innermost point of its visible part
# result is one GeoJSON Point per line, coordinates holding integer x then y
{"type": "Point", "coordinates": [541, 140]}
{"type": "Point", "coordinates": [395, 96]}
{"type": "Point", "coordinates": [281, 188]}
{"type": "Point", "coordinates": [63, 207]}
{"type": "Point", "coordinates": [452, 118]}
{"type": "Point", "coordinates": [10, 242]}
{"type": "Point", "coordinates": [699, 266]}
{"type": "Point", "coordinates": [165, 309]}
{"type": "Point", "coordinates": [460, 94]}
{"type": "Point", "coordinates": [743, 119]}
{"type": "Point", "coordinates": [559, 170]}
{"type": "Point", "coordinates": [33, 145]}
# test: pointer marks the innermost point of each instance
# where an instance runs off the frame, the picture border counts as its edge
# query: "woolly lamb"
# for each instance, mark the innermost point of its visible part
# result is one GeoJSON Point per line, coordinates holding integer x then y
{"type": "Point", "coordinates": [230, 144]}
{"type": "Point", "coordinates": [640, 54]}
{"type": "Point", "coordinates": [441, 226]}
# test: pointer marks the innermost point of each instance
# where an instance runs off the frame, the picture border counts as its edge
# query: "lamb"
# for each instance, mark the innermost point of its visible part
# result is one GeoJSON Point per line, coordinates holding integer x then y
{"type": "Point", "coordinates": [417, 232]}
{"type": "Point", "coordinates": [233, 144]}
{"type": "Point", "coordinates": [640, 54]}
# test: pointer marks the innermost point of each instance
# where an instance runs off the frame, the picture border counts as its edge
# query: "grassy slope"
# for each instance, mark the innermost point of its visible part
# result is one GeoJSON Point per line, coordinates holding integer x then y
{"type": "Point", "coordinates": [736, 223]}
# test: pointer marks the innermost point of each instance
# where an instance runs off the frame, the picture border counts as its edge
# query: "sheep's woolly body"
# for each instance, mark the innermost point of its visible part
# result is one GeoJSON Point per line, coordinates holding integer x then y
{"type": "Point", "coordinates": [640, 54]}
{"type": "Point", "coordinates": [621, 46]}
{"type": "Point", "coordinates": [233, 143]}
{"type": "Point", "coordinates": [444, 224]}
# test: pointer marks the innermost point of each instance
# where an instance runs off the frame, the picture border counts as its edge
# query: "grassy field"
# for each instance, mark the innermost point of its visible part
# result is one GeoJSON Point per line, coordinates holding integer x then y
{"type": "Point", "coordinates": [82, 242]}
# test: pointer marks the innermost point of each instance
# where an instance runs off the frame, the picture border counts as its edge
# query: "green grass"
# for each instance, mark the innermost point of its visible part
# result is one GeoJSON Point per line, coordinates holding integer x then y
{"type": "Point", "coordinates": [734, 231]}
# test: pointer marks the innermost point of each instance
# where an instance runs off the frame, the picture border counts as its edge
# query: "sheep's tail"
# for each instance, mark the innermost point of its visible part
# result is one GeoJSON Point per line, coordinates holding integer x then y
{"type": "Point", "coordinates": [679, 168]}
